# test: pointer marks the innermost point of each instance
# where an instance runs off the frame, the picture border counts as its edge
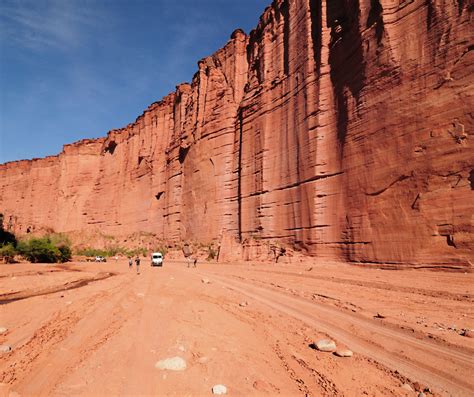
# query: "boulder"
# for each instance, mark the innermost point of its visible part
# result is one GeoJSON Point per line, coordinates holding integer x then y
{"type": "Point", "coordinates": [325, 345]}
{"type": "Point", "coordinates": [219, 389]}
{"type": "Point", "coordinates": [172, 364]}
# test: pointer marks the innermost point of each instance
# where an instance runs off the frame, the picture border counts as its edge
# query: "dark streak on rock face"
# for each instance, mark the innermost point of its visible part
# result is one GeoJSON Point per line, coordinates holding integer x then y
{"type": "Point", "coordinates": [110, 147]}
{"type": "Point", "coordinates": [430, 13]}
{"type": "Point", "coordinates": [345, 58]}
{"type": "Point", "coordinates": [183, 152]}
{"type": "Point", "coordinates": [285, 10]}
{"type": "Point", "coordinates": [316, 30]}
{"type": "Point", "coordinates": [375, 19]}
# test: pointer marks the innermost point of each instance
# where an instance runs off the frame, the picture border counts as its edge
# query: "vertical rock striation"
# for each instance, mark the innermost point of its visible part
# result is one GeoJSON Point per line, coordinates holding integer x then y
{"type": "Point", "coordinates": [340, 128]}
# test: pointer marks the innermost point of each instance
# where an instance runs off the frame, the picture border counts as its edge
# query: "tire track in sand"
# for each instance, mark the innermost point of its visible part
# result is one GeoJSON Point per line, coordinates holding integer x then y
{"type": "Point", "coordinates": [394, 349]}
{"type": "Point", "coordinates": [72, 342]}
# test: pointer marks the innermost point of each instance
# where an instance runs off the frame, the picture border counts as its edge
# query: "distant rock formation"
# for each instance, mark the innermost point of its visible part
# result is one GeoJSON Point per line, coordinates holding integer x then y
{"type": "Point", "coordinates": [341, 128]}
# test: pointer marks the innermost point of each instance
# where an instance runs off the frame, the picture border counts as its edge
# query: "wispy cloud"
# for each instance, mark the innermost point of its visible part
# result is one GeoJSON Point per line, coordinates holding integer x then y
{"type": "Point", "coordinates": [51, 24]}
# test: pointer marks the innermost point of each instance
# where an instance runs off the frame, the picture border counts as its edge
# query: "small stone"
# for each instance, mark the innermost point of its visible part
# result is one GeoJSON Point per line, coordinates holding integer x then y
{"type": "Point", "coordinates": [172, 364]}
{"type": "Point", "coordinates": [205, 280]}
{"type": "Point", "coordinates": [407, 387]}
{"type": "Point", "coordinates": [343, 353]}
{"type": "Point", "coordinates": [379, 315]}
{"type": "Point", "coordinates": [5, 349]}
{"type": "Point", "coordinates": [325, 345]}
{"type": "Point", "coordinates": [219, 389]}
{"type": "Point", "coordinates": [468, 333]}
{"type": "Point", "coordinates": [243, 304]}
{"type": "Point", "coordinates": [3, 330]}
{"type": "Point", "coordinates": [417, 386]}
{"type": "Point", "coordinates": [421, 394]}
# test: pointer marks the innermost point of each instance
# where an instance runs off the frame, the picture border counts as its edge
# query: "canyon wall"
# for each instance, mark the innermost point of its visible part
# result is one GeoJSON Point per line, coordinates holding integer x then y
{"type": "Point", "coordinates": [339, 128]}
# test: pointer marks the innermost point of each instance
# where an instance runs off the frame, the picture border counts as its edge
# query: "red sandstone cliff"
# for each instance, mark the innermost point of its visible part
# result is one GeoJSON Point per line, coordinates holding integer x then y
{"type": "Point", "coordinates": [339, 127]}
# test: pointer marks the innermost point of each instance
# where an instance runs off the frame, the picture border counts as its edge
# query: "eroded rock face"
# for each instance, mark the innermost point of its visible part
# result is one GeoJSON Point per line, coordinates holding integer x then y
{"type": "Point", "coordinates": [342, 128]}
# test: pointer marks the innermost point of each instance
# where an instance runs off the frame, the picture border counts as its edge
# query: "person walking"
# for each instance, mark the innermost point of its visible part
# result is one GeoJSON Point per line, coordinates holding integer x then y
{"type": "Point", "coordinates": [130, 263]}
{"type": "Point", "coordinates": [137, 263]}
{"type": "Point", "coordinates": [187, 252]}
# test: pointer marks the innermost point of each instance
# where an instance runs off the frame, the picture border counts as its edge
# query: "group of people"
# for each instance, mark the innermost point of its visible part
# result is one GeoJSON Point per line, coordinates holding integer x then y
{"type": "Point", "coordinates": [186, 251]}
{"type": "Point", "coordinates": [137, 263]}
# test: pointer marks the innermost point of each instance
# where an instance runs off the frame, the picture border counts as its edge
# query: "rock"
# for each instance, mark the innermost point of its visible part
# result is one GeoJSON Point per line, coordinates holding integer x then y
{"type": "Point", "coordinates": [407, 387]}
{"type": "Point", "coordinates": [325, 345]}
{"type": "Point", "coordinates": [303, 92]}
{"type": "Point", "coordinates": [421, 394]}
{"type": "Point", "coordinates": [172, 364]}
{"type": "Point", "coordinates": [243, 304]}
{"type": "Point", "coordinates": [3, 330]}
{"type": "Point", "coordinates": [219, 389]}
{"type": "Point", "coordinates": [417, 386]}
{"type": "Point", "coordinates": [378, 315]}
{"type": "Point", "coordinates": [468, 333]}
{"type": "Point", "coordinates": [343, 353]}
{"type": "Point", "coordinates": [205, 281]}
{"type": "Point", "coordinates": [5, 349]}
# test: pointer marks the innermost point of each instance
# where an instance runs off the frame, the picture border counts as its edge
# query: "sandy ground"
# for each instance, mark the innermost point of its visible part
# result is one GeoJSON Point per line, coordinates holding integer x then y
{"type": "Point", "coordinates": [87, 329]}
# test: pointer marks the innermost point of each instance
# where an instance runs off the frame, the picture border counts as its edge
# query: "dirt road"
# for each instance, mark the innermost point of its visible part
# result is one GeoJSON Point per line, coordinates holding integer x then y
{"type": "Point", "coordinates": [99, 329]}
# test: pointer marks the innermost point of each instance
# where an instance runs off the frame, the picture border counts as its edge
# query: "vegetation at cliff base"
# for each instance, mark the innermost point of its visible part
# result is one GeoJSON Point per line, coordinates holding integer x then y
{"type": "Point", "coordinates": [116, 250]}
{"type": "Point", "coordinates": [44, 250]}
{"type": "Point", "coordinates": [8, 243]}
{"type": "Point", "coordinates": [49, 249]}
{"type": "Point", "coordinates": [8, 252]}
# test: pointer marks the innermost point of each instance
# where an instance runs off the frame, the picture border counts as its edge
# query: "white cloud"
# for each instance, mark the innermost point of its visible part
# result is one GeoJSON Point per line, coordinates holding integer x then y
{"type": "Point", "coordinates": [47, 24]}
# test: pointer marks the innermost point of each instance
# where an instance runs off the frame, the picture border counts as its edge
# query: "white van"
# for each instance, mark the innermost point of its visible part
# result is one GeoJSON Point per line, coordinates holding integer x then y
{"type": "Point", "coordinates": [157, 259]}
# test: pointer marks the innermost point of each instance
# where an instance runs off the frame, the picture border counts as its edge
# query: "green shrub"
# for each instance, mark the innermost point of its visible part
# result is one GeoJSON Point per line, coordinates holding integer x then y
{"type": "Point", "coordinates": [59, 239]}
{"type": "Point", "coordinates": [65, 253]}
{"type": "Point", "coordinates": [91, 252]}
{"type": "Point", "coordinates": [8, 252]}
{"type": "Point", "coordinates": [44, 250]}
{"type": "Point", "coordinates": [137, 251]}
{"type": "Point", "coordinates": [112, 251]}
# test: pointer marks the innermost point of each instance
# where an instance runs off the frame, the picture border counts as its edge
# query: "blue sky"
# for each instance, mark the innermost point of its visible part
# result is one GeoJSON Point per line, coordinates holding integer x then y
{"type": "Point", "coordinates": [73, 69]}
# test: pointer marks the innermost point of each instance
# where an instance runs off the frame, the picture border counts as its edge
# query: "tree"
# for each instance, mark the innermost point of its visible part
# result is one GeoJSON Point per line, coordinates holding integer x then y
{"type": "Point", "coordinates": [43, 250]}
{"type": "Point", "coordinates": [65, 253]}
{"type": "Point", "coordinates": [8, 252]}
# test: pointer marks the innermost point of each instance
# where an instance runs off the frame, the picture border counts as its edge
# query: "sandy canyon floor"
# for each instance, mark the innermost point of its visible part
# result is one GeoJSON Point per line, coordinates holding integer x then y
{"type": "Point", "coordinates": [87, 329]}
